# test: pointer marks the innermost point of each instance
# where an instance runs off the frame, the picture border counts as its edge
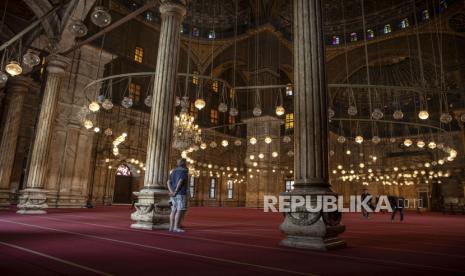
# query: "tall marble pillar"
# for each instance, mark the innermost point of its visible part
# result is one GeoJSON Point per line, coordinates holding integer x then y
{"type": "Point", "coordinates": [303, 229]}
{"type": "Point", "coordinates": [33, 199]}
{"type": "Point", "coordinates": [17, 89]}
{"type": "Point", "coordinates": [152, 208]}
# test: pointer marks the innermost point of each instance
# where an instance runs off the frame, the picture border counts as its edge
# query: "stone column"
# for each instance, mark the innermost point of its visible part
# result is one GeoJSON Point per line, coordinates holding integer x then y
{"type": "Point", "coordinates": [304, 229]}
{"type": "Point", "coordinates": [33, 199]}
{"type": "Point", "coordinates": [17, 89]}
{"type": "Point", "coordinates": [152, 208]}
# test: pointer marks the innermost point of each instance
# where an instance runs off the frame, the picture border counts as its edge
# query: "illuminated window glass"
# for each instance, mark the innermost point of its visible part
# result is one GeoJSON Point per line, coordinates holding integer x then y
{"type": "Point", "coordinates": [404, 23]}
{"type": "Point", "coordinates": [232, 120]}
{"type": "Point", "coordinates": [215, 86]}
{"type": "Point", "coordinates": [138, 54]}
{"type": "Point", "coordinates": [370, 34]}
{"type": "Point", "coordinates": [353, 37]}
{"type": "Point", "coordinates": [134, 92]}
{"type": "Point", "coordinates": [149, 16]}
{"type": "Point", "coordinates": [442, 5]}
{"type": "Point", "coordinates": [289, 124]}
{"type": "Point", "coordinates": [192, 187]}
{"type": "Point", "coordinates": [123, 170]}
{"type": "Point", "coordinates": [289, 185]}
{"type": "Point", "coordinates": [194, 111]}
{"type": "Point", "coordinates": [289, 90]}
{"type": "Point", "coordinates": [212, 193]}
{"type": "Point", "coordinates": [212, 34]}
{"type": "Point", "coordinates": [232, 93]}
{"type": "Point", "coordinates": [195, 31]}
{"type": "Point", "coordinates": [214, 116]}
{"type": "Point", "coordinates": [425, 15]}
{"type": "Point", "coordinates": [336, 40]}
{"type": "Point", "coordinates": [195, 77]}
{"type": "Point", "coordinates": [230, 188]}
{"type": "Point", "coordinates": [387, 29]}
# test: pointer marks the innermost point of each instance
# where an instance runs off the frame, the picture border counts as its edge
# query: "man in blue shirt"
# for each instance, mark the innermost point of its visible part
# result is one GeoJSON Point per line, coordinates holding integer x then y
{"type": "Point", "coordinates": [177, 185]}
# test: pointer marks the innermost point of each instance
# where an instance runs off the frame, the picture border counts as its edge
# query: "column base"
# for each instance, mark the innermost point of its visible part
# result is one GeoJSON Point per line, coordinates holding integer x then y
{"type": "Point", "coordinates": [32, 202]}
{"type": "Point", "coordinates": [312, 230]}
{"type": "Point", "coordinates": [152, 210]}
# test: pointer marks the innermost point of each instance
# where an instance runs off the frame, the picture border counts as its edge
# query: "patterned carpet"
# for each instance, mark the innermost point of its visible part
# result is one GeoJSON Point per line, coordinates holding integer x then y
{"type": "Point", "coordinates": [223, 241]}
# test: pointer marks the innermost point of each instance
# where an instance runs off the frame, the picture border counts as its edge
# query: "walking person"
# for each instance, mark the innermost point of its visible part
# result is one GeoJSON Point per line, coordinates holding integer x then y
{"type": "Point", "coordinates": [177, 186]}
{"type": "Point", "coordinates": [398, 205]}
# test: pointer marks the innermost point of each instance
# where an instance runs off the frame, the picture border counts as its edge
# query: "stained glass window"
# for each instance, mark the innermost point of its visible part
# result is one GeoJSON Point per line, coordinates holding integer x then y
{"type": "Point", "coordinates": [353, 37]}
{"type": "Point", "coordinates": [289, 123]}
{"type": "Point", "coordinates": [212, 188]}
{"type": "Point", "coordinates": [139, 54]}
{"type": "Point", "coordinates": [387, 29]}
{"type": "Point", "coordinates": [230, 186]}
{"type": "Point", "coordinates": [289, 185]}
{"type": "Point", "coordinates": [123, 170]}
{"type": "Point", "coordinates": [370, 34]}
{"type": "Point", "coordinates": [404, 23]}
{"type": "Point", "coordinates": [336, 40]}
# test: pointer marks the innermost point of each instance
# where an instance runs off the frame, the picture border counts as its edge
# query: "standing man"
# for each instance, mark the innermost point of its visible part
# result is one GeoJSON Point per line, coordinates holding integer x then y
{"type": "Point", "coordinates": [177, 185]}
{"type": "Point", "coordinates": [365, 194]}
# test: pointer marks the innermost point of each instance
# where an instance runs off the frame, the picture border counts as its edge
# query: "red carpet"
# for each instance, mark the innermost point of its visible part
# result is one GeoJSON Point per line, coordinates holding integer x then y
{"type": "Point", "coordinates": [223, 241]}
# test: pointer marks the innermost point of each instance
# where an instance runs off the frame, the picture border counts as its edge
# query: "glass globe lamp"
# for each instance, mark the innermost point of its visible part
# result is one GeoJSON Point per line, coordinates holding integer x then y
{"type": "Point", "coordinates": [225, 143]}
{"type": "Point", "coordinates": [341, 139]}
{"type": "Point", "coordinates": [253, 141]}
{"type": "Point", "coordinates": [257, 111]}
{"type": "Point", "coordinates": [287, 139]}
{"type": "Point", "coordinates": [352, 110]}
{"type": "Point", "coordinates": [222, 107]}
{"type": "Point", "coordinates": [3, 78]}
{"type": "Point", "coordinates": [359, 139]}
{"type": "Point", "coordinates": [408, 142]}
{"type": "Point", "coordinates": [376, 140]}
{"type": "Point", "coordinates": [30, 59]}
{"type": "Point", "coordinates": [77, 28]}
{"type": "Point", "coordinates": [127, 102]}
{"type": "Point", "coordinates": [13, 68]}
{"type": "Point", "coordinates": [203, 146]}
{"type": "Point", "coordinates": [377, 114]}
{"type": "Point", "coordinates": [445, 118]}
{"type": "Point", "coordinates": [280, 110]}
{"type": "Point", "coordinates": [148, 101]}
{"type": "Point", "coordinates": [108, 132]}
{"type": "Point", "coordinates": [177, 101]}
{"type": "Point", "coordinates": [96, 129]}
{"type": "Point", "coordinates": [290, 153]}
{"type": "Point", "coordinates": [398, 115]}
{"type": "Point", "coordinates": [100, 17]}
{"type": "Point", "coordinates": [107, 104]}
{"type": "Point", "coordinates": [268, 140]}
{"type": "Point", "coordinates": [423, 115]}
{"type": "Point", "coordinates": [100, 98]}
{"type": "Point", "coordinates": [274, 154]}
{"type": "Point", "coordinates": [421, 144]}
{"type": "Point", "coordinates": [432, 145]}
{"type": "Point", "coordinates": [88, 124]}
{"type": "Point", "coordinates": [233, 111]}
{"type": "Point", "coordinates": [94, 106]}
{"type": "Point", "coordinates": [238, 142]}
{"type": "Point", "coordinates": [213, 145]}
{"type": "Point", "coordinates": [200, 104]}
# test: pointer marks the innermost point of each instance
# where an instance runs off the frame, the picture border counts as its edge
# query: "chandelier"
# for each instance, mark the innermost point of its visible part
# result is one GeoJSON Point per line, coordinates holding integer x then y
{"type": "Point", "coordinates": [186, 133]}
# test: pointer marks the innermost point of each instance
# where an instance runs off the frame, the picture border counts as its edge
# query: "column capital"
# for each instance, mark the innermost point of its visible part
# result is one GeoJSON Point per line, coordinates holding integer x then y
{"type": "Point", "coordinates": [57, 64]}
{"type": "Point", "coordinates": [173, 7]}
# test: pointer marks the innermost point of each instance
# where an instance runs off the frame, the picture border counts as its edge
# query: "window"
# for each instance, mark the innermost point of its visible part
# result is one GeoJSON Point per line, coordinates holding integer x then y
{"type": "Point", "coordinates": [215, 86]}
{"type": "Point", "coordinates": [404, 23]}
{"type": "Point", "coordinates": [214, 116]}
{"type": "Point", "coordinates": [212, 34]}
{"type": "Point", "coordinates": [212, 188]}
{"type": "Point", "coordinates": [123, 170]}
{"type": "Point", "coordinates": [289, 123]}
{"type": "Point", "coordinates": [442, 5]}
{"type": "Point", "coordinates": [425, 15]}
{"type": "Point", "coordinates": [289, 91]}
{"type": "Point", "coordinates": [192, 187]}
{"type": "Point", "coordinates": [149, 16]}
{"type": "Point", "coordinates": [195, 32]}
{"type": "Point", "coordinates": [289, 185]}
{"type": "Point", "coordinates": [232, 93]}
{"type": "Point", "coordinates": [195, 78]}
{"type": "Point", "coordinates": [194, 111]}
{"type": "Point", "coordinates": [387, 29]}
{"type": "Point", "coordinates": [138, 54]}
{"type": "Point", "coordinates": [230, 188]}
{"type": "Point", "coordinates": [232, 120]}
{"type": "Point", "coordinates": [370, 34]}
{"type": "Point", "coordinates": [134, 92]}
{"type": "Point", "coordinates": [336, 40]}
{"type": "Point", "coordinates": [353, 37]}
